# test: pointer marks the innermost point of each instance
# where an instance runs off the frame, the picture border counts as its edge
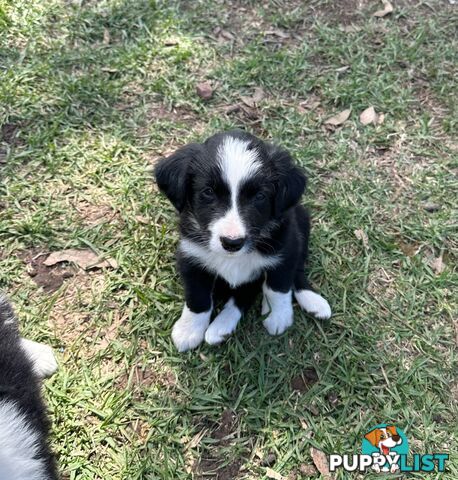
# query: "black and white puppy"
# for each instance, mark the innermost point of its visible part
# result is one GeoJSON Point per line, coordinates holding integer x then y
{"type": "Point", "coordinates": [24, 450]}
{"type": "Point", "coordinates": [242, 231]}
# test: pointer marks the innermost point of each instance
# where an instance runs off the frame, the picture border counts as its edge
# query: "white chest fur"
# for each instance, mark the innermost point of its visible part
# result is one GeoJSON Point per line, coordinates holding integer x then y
{"type": "Point", "coordinates": [235, 269]}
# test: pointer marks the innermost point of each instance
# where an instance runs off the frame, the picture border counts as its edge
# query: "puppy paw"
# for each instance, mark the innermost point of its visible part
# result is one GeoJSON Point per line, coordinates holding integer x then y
{"type": "Point", "coordinates": [277, 322]}
{"type": "Point", "coordinates": [313, 303]}
{"type": "Point", "coordinates": [42, 358]}
{"type": "Point", "coordinates": [224, 324]}
{"type": "Point", "coordinates": [189, 331]}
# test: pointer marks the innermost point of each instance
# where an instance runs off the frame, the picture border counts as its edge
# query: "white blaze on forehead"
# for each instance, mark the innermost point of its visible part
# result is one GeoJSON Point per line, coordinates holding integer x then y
{"type": "Point", "coordinates": [237, 163]}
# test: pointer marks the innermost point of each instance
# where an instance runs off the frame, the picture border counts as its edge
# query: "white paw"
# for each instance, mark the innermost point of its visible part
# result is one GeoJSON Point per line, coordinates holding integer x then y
{"type": "Point", "coordinates": [277, 322]}
{"type": "Point", "coordinates": [42, 357]}
{"type": "Point", "coordinates": [394, 468]}
{"type": "Point", "coordinates": [224, 324]}
{"type": "Point", "coordinates": [189, 331]}
{"type": "Point", "coordinates": [313, 303]}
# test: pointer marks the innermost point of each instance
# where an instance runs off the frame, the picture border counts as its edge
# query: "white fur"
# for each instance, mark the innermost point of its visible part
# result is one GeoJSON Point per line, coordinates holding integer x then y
{"type": "Point", "coordinates": [313, 303]}
{"type": "Point", "coordinates": [230, 226]}
{"type": "Point", "coordinates": [224, 323]}
{"type": "Point", "coordinates": [236, 269]}
{"type": "Point", "coordinates": [189, 331]}
{"type": "Point", "coordinates": [281, 310]}
{"type": "Point", "coordinates": [236, 163]}
{"type": "Point", "coordinates": [41, 356]}
{"type": "Point", "coordinates": [18, 446]}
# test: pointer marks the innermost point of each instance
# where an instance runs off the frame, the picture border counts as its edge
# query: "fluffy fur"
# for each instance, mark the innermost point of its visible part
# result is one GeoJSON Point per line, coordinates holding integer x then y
{"type": "Point", "coordinates": [24, 451]}
{"type": "Point", "coordinates": [242, 231]}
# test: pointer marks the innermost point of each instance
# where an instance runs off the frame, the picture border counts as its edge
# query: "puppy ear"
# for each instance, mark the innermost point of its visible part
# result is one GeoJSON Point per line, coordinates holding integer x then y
{"type": "Point", "coordinates": [291, 181]}
{"type": "Point", "coordinates": [172, 174]}
{"type": "Point", "coordinates": [373, 437]}
{"type": "Point", "coordinates": [392, 429]}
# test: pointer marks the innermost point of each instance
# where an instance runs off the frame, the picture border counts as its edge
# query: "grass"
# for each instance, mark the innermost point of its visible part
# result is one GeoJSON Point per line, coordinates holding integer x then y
{"type": "Point", "coordinates": [91, 93]}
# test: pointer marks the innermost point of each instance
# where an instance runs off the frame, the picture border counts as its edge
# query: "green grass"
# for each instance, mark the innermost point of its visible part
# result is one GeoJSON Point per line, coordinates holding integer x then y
{"type": "Point", "coordinates": [91, 93]}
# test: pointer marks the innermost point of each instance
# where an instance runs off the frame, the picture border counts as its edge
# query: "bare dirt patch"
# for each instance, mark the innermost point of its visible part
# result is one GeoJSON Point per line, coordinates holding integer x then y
{"type": "Point", "coordinates": [95, 214]}
{"type": "Point", "coordinates": [71, 316]}
{"type": "Point", "coordinates": [215, 468]}
{"type": "Point", "coordinates": [214, 464]}
{"type": "Point", "coordinates": [303, 382]}
{"type": "Point", "coordinates": [344, 12]}
{"type": "Point", "coordinates": [8, 133]}
{"type": "Point", "coordinates": [49, 279]}
{"type": "Point", "coordinates": [9, 137]}
{"type": "Point", "coordinates": [141, 378]}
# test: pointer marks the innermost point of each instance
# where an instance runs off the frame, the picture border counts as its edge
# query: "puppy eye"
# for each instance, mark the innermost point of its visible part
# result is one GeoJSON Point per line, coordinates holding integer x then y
{"type": "Point", "coordinates": [208, 193]}
{"type": "Point", "coordinates": [260, 196]}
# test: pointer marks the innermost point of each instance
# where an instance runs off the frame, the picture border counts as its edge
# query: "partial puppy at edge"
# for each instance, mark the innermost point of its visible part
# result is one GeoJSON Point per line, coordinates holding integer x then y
{"type": "Point", "coordinates": [24, 425]}
{"type": "Point", "coordinates": [242, 231]}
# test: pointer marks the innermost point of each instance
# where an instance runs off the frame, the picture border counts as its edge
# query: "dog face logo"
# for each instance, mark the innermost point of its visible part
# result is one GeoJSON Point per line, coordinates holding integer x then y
{"type": "Point", "coordinates": [385, 442]}
{"type": "Point", "coordinates": [384, 438]}
{"type": "Point", "coordinates": [385, 449]}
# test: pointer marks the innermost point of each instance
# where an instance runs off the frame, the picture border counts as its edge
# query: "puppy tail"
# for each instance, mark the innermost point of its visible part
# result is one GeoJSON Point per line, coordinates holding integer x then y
{"type": "Point", "coordinates": [7, 316]}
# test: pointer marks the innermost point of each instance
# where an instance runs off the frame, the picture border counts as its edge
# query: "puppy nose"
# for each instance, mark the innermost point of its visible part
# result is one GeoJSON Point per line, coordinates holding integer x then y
{"type": "Point", "coordinates": [232, 244]}
{"type": "Point", "coordinates": [396, 438]}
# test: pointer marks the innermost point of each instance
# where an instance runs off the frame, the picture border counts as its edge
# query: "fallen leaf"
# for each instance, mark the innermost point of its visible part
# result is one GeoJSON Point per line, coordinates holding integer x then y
{"type": "Point", "coordinates": [388, 8]}
{"type": "Point", "coordinates": [369, 116]}
{"type": "Point", "coordinates": [381, 118]}
{"type": "Point", "coordinates": [252, 101]}
{"type": "Point", "coordinates": [431, 207]}
{"type": "Point", "coordinates": [273, 474]}
{"type": "Point", "coordinates": [109, 70]}
{"type": "Point", "coordinates": [258, 94]}
{"type": "Point", "coordinates": [361, 235]}
{"type": "Point", "coordinates": [437, 265]}
{"type": "Point", "coordinates": [321, 462]}
{"type": "Point", "coordinates": [231, 108]}
{"type": "Point", "coordinates": [338, 119]}
{"type": "Point", "coordinates": [86, 259]}
{"type": "Point", "coordinates": [308, 470]}
{"type": "Point", "coordinates": [227, 35]}
{"type": "Point", "coordinates": [278, 33]}
{"type": "Point", "coordinates": [204, 90]}
{"type": "Point", "coordinates": [248, 101]}
{"type": "Point", "coordinates": [106, 36]}
{"type": "Point", "coordinates": [171, 42]}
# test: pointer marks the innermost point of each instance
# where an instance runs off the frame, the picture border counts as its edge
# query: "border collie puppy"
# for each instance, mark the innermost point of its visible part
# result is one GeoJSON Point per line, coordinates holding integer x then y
{"type": "Point", "coordinates": [24, 450]}
{"type": "Point", "coordinates": [242, 231]}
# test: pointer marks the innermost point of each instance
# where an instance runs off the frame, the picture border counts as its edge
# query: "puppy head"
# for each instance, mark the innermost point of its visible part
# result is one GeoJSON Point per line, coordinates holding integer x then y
{"type": "Point", "coordinates": [232, 190]}
{"type": "Point", "coordinates": [386, 437]}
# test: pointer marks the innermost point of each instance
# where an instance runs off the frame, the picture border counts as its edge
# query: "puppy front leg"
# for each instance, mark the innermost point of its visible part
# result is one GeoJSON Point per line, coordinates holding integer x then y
{"type": "Point", "coordinates": [277, 291]}
{"type": "Point", "coordinates": [189, 330]}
